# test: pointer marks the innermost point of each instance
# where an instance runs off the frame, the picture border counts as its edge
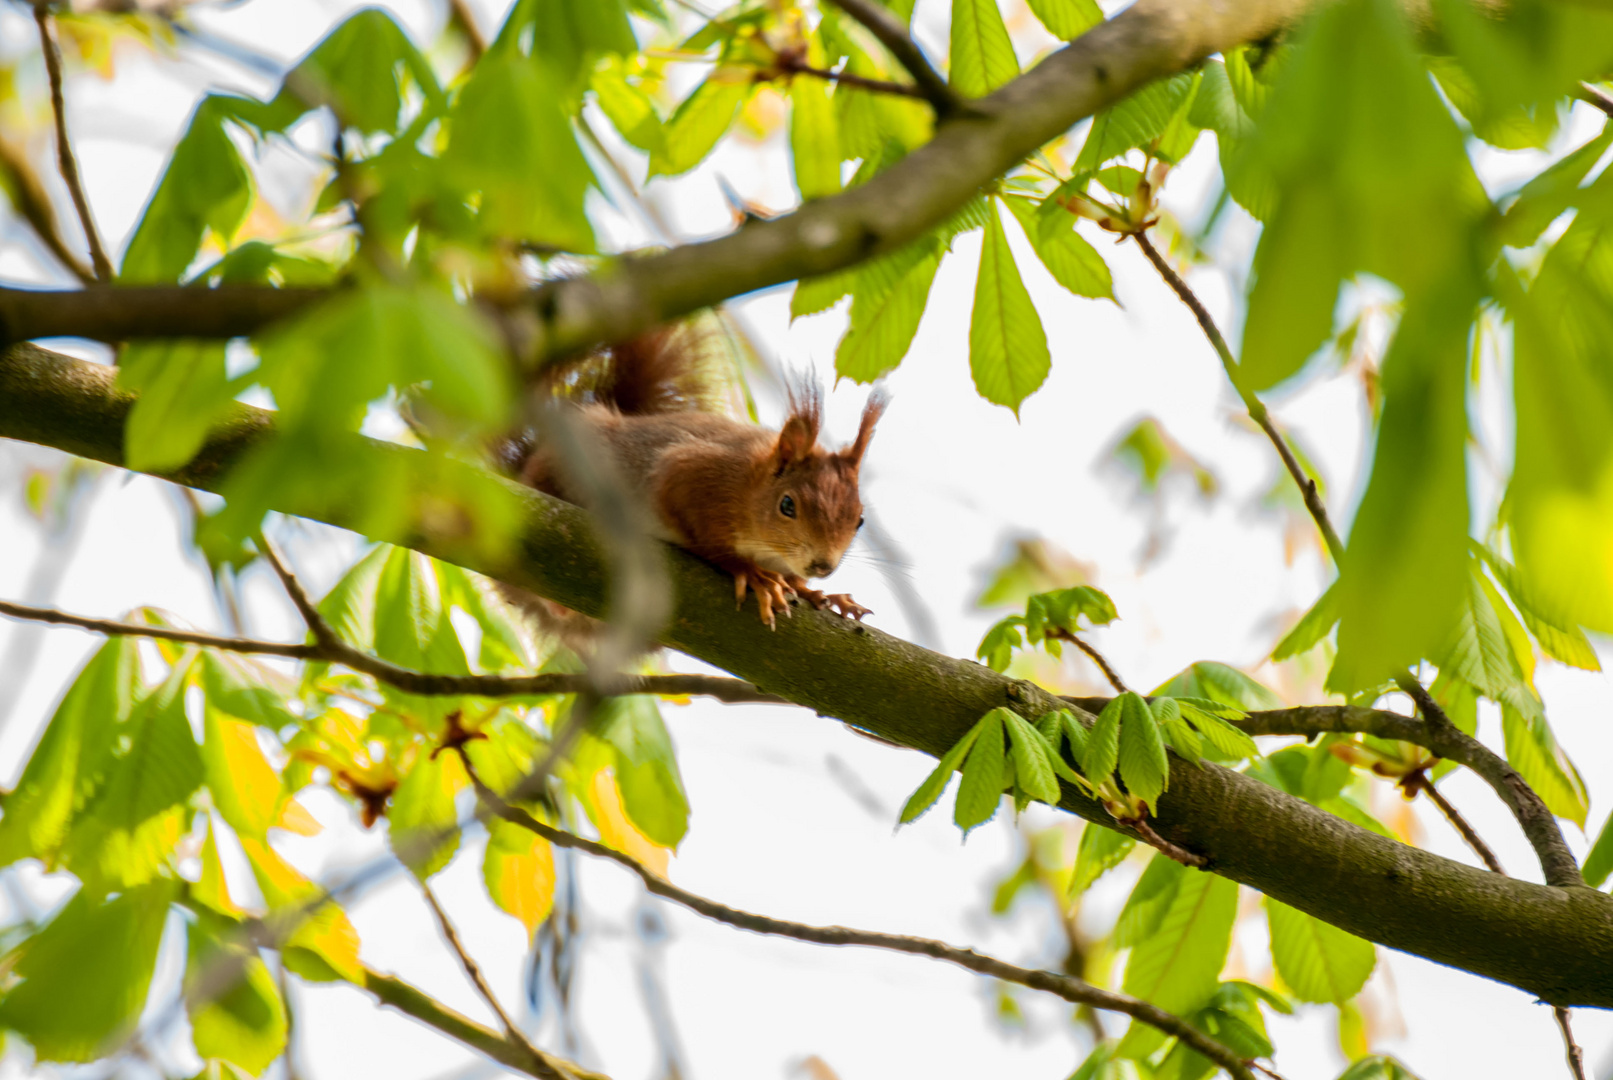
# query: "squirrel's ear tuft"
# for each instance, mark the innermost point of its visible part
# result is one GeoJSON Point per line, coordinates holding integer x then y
{"type": "Point", "coordinates": [800, 432]}
{"type": "Point", "coordinates": [865, 431]}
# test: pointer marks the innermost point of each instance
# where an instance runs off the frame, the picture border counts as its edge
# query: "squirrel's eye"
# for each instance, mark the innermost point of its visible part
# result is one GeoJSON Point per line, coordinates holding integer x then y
{"type": "Point", "coordinates": [859, 523]}
{"type": "Point", "coordinates": [787, 506]}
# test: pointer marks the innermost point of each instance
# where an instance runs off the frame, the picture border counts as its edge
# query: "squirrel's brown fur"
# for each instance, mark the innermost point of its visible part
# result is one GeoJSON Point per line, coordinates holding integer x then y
{"type": "Point", "coordinates": [772, 508]}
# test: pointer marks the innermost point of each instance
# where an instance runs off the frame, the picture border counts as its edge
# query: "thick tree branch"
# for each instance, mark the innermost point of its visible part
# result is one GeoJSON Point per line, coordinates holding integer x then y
{"type": "Point", "coordinates": [1150, 39]}
{"type": "Point", "coordinates": [930, 84]}
{"type": "Point", "coordinates": [64, 148]}
{"type": "Point", "coordinates": [1067, 987]}
{"type": "Point", "coordinates": [732, 691]}
{"type": "Point", "coordinates": [421, 1006]}
{"type": "Point", "coordinates": [1556, 943]}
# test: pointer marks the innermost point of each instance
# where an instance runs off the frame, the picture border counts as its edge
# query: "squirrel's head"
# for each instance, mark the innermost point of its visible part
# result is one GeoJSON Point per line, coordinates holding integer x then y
{"type": "Point", "coordinates": [807, 509]}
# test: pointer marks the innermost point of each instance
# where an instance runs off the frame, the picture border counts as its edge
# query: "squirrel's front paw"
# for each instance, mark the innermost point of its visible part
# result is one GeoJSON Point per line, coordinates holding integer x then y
{"type": "Point", "coordinates": [841, 603]}
{"type": "Point", "coordinates": [773, 592]}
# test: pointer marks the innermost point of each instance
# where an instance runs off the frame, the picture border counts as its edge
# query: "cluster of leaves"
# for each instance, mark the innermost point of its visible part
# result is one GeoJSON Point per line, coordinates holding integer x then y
{"type": "Point", "coordinates": [121, 794]}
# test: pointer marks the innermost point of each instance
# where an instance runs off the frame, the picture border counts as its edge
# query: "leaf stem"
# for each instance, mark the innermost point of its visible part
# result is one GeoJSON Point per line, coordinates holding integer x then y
{"type": "Point", "coordinates": [894, 36]}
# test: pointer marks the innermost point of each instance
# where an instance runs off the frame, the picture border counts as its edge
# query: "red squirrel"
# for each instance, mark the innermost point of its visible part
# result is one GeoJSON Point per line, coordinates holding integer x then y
{"type": "Point", "coordinates": [773, 509]}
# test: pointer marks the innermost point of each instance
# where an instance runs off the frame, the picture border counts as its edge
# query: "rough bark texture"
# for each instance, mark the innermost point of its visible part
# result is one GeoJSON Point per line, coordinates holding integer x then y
{"type": "Point", "coordinates": [1555, 943]}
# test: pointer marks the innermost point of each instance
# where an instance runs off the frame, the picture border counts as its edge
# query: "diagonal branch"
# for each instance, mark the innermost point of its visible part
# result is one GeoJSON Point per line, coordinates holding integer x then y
{"type": "Point", "coordinates": [414, 682]}
{"type": "Point", "coordinates": [1067, 987]}
{"type": "Point", "coordinates": [543, 1065]}
{"type": "Point", "coordinates": [1556, 943]}
{"type": "Point", "coordinates": [1149, 40]}
{"type": "Point", "coordinates": [930, 84]}
{"type": "Point", "coordinates": [421, 1006]}
{"type": "Point", "coordinates": [64, 148]}
{"type": "Point", "coordinates": [1419, 782]}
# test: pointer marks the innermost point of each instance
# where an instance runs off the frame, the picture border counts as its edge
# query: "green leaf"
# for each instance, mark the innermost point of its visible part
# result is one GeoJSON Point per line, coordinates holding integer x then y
{"type": "Point", "coordinates": [628, 107]}
{"type": "Point", "coordinates": [884, 320]}
{"type": "Point", "coordinates": [1074, 263]}
{"type": "Point", "coordinates": [245, 689]}
{"type": "Point", "coordinates": [85, 976]}
{"type": "Point", "coordinates": [206, 186]}
{"type": "Point", "coordinates": [511, 140]}
{"type": "Point", "coordinates": [999, 643]}
{"type": "Point", "coordinates": [815, 294]}
{"type": "Point", "coordinates": [1177, 966]}
{"type": "Point", "coordinates": [569, 35]}
{"type": "Point", "coordinates": [409, 616]}
{"type": "Point", "coordinates": [1516, 127]}
{"type": "Point", "coordinates": [646, 768]}
{"type": "Point", "coordinates": [1008, 353]}
{"type": "Point", "coordinates": [1319, 962]}
{"type": "Point", "coordinates": [1230, 742]}
{"type": "Point", "coordinates": [349, 607]}
{"type": "Point", "coordinates": [1144, 767]}
{"type": "Point", "coordinates": [1479, 653]}
{"type": "Point", "coordinates": [1067, 19]}
{"type": "Point", "coordinates": [1297, 272]}
{"type": "Point", "coordinates": [182, 391]}
{"type": "Point", "coordinates": [1377, 1067]}
{"type": "Point", "coordinates": [1599, 863]}
{"type": "Point", "coordinates": [982, 55]}
{"type": "Point", "coordinates": [1533, 750]}
{"type": "Point", "coordinates": [699, 122]}
{"type": "Point", "coordinates": [1100, 851]}
{"type": "Point", "coordinates": [936, 783]}
{"type": "Point", "coordinates": [1032, 757]}
{"type": "Point", "coordinates": [422, 823]}
{"type": "Point", "coordinates": [355, 72]}
{"type": "Point", "coordinates": [245, 1023]}
{"type": "Point", "coordinates": [1103, 745]}
{"type": "Point", "coordinates": [246, 789]}
{"type": "Point", "coordinates": [814, 132]}
{"type": "Point", "coordinates": [1218, 683]}
{"type": "Point", "coordinates": [1150, 899]}
{"type": "Point", "coordinates": [1559, 636]}
{"type": "Point", "coordinates": [72, 755]}
{"type": "Point", "coordinates": [162, 765]}
{"type": "Point", "coordinates": [1551, 193]}
{"type": "Point", "coordinates": [1135, 122]}
{"type": "Point", "coordinates": [1312, 627]}
{"type": "Point", "coordinates": [982, 786]}
{"type": "Point", "coordinates": [324, 946]}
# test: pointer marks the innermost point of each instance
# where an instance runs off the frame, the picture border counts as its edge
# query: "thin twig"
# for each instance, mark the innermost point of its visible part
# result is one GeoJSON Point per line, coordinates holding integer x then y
{"type": "Point", "coordinates": [1257, 408]}
{"type": "Point", "coordinates": [460, 15]}
{"type": "Point", "coordinates": [1066, 987]}
{"type": "Point", "coordinates": [1419, 782]}
{"type": "Point", "coordinates": [64, 149]}
{"type": "Point", "coordinates": [1595, 96]}
{"type": "Point", "coordinates": [414, 682]}
{"type": "Point", "coordinates": [1095, 656]}
{"type": "Point", "coordinates": [1576, 1056]}
{"type": "Point", "coordinates": [862, 82]}
{"type": "Point", "coordinates": [474, 971]}
{"type": "Point", "coordinates": [33, 204]}
{"type": "Point", "coordinates": [893, 35]}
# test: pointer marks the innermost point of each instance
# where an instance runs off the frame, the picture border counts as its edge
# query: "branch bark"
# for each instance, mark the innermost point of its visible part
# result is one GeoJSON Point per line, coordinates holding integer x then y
{"type": "Point", "coordinates": [1556, 943]}
{"type": "Point", "coordinates": [421, 1006]}
{"type": "Point", "coordinates": [1149, 40]}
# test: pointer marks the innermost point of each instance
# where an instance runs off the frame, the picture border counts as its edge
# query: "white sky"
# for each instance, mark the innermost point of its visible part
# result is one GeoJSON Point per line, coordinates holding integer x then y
{"type": "Point", "coordinates": [781, 819]}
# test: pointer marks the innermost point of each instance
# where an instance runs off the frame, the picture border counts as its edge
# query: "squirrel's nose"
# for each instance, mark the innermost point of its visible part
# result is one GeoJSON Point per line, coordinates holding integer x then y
{"type": "Point", "coordinates": [820, 568]}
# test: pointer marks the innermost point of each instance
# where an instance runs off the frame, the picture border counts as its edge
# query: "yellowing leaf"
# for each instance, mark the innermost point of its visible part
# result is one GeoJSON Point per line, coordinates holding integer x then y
{"type": "Point", "coordinates": [323, 945]}
{"type": "Point", "coordinates": [246, 790]}
{"type": "Point", "coordinates": [616, 830]}
{"type": "Point", "coordinates": [295, 818]}
{"type": "Point", "coordinates": [212, 889]}
{"type": "Point", "coordinates": [518, 869]}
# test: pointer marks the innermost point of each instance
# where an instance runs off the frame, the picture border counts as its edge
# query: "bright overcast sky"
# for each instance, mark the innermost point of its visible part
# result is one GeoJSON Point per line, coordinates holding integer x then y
{"type": "Point", "coordinates": [793, 815]}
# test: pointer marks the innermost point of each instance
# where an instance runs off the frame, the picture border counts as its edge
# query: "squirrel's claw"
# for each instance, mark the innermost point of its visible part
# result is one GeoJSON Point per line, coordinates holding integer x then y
{"type": "Point", "coordinates": [840, 603]}
{"type": "Point", "coordinates": [773, 592]}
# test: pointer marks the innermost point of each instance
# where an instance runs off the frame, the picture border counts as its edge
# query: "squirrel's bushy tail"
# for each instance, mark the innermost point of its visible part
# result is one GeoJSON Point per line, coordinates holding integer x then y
{"type": "Point", "coordinates": [674, 368]}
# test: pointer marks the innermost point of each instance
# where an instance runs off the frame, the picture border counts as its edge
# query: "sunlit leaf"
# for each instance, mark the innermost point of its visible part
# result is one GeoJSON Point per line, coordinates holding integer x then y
{"type": "Point", "coordinates": [321, 943]}
{"type": "Point", "coordinates": [518, 869]}
{"type": "Point", "coordinates": [1103, 744]}
{"type": "Point", "coordinates": [422, 822]}
{"type": "Point", "coordinates": [646, 768]}
{"type": "Point", "coordinates": [1144, 767]}
{"type": "Point", "coordinates": [1177, 966]}
{"type": "Point", "coordinates": [85, 976]}
{"type": "Point", "coordinates": [1008, 353]}
{"type": "Point", "coordinates": [1072, 261]}
{"type": "Point", "coordinates": [1031, 756]}
{"type": "Point", "coordinates": [1067, 19]}
{"type": "Point", "coordinates": [244, 1022]}
{"type": "Point", "coordinates": [930, 790]}
{"type": "Point", "coordinates": [883, 321]}
{"type": "Point", "coordinates": [1319, 962]}
{"type": "Point", "coordinates": [1100, 851]}
{"type": "Point", "coordinates": [702, 118]}
{"type": "Point", "coordinates": [1599, 862]}
{"type": "Point", "coordinates": [1533, 750]}
{"type": "Point", "coordinates": [982, 55]}
{"type": "Point", "coordinates": [245, 788]}
{"type": "Point", "coordinates": [814, 132]}
{"type": "Point", "coordinates": [1312, 627]}
{"type": "Point", "coordinates": [982, 786]}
